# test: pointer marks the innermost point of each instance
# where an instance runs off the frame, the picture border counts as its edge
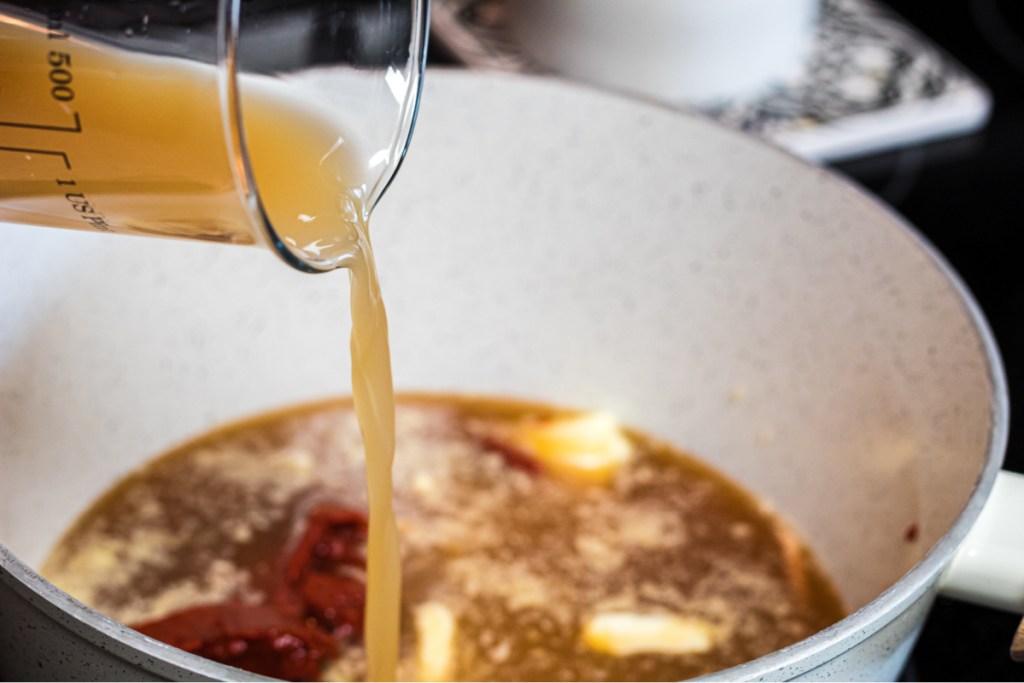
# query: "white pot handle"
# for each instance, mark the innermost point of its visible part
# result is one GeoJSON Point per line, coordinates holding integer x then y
{"type": "Point", "coordinates": [988, 568]}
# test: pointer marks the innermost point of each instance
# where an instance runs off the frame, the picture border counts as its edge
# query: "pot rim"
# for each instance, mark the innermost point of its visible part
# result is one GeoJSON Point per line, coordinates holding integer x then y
{"type": "Point", "coordinates": [795, 659]}
{"type": "Point", "coordinates": [831, 641]}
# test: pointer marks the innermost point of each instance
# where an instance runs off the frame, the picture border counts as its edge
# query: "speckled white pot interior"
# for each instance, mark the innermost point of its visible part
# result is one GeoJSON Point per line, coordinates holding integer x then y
{"type": "Point", "coordinates": [550, 242]}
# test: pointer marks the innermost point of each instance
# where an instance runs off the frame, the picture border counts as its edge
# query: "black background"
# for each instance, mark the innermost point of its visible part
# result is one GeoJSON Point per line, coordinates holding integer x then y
{"type": "Point", "coordinates": [967, 196]}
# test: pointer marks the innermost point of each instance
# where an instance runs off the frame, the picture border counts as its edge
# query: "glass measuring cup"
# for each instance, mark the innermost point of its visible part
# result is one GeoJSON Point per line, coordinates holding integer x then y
{"type": "Point", "coordinates": [269, 122]}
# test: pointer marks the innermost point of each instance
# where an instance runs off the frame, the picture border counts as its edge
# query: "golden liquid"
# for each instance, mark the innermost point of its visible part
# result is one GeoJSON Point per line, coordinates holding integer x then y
{"type": "Point", "coordinates": [520, 561]}
{"type": "Point", "coordinates": [101, 139]}
{"type": "Point", "coordinates": [373, 394]}
{"type": "Point", "coordinates": [94, 138]}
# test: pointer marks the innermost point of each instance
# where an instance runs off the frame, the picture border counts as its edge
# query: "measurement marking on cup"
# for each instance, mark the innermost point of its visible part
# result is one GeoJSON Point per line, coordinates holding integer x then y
{"type": "Point", "coordinates": [81, 204]}
{"type": "Point", "coordinates": [61, 76]}
{"type": "Point", "coordinates": [60, 79]}
{"type": "Point", "coordinates": [29, 152]}
{"type": "Point", "coordinates": [77, 128]}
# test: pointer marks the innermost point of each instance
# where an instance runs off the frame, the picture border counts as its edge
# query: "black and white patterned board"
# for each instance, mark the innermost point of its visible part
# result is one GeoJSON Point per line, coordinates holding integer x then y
{"type": "Point", "coordinates": [870, 82]}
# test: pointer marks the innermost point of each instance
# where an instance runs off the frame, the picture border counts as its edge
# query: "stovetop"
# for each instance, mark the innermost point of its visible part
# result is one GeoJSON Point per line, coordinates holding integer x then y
{"type": "Point", "coordinates": [966, 195]}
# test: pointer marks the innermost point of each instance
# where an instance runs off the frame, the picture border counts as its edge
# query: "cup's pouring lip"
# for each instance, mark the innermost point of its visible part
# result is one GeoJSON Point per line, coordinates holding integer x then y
{"type": "Point", "coordinates": [411, 106]}
{"type": "Point", "coordinates": [228, 20]}
{"type": "Point", "coordinates": [235, 136]}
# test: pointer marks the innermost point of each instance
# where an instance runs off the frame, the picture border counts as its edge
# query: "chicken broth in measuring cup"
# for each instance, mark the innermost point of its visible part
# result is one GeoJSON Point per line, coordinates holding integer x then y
{"type": "Point", "coordinates": [537, 544]}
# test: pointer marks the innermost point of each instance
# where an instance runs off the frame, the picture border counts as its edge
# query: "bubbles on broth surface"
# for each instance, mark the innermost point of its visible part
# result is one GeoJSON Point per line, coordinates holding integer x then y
{"type": "Point", "coordinates": [516, 566]}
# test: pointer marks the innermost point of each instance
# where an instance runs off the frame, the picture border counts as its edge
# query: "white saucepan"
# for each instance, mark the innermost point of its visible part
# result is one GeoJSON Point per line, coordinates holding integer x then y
{"type": "Point", "coordinates": [551, 242]}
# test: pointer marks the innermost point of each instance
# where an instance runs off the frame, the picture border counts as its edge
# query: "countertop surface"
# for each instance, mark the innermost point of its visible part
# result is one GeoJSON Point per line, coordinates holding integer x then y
{"type": "Point", "coordinates": [966, 195]}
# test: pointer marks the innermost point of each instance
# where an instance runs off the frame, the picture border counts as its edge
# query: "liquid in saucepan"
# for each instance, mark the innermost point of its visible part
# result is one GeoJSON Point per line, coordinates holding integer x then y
{"type": "Point", "coordinates": [537, 544]}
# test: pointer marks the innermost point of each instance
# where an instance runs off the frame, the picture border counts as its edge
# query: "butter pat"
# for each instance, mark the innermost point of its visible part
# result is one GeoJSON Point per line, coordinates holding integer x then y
{"type": "Point", "coordinates": [588, 448]}
{"type": "Point", "coordinates": [622, 634]}
{"type": "Point", "coordinates": [435, 642]}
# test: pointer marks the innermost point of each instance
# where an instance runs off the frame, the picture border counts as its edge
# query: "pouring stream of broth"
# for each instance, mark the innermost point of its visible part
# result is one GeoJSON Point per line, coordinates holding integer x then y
{"type": "Point", "coordinates": [143, 151]}
{"type": "Point", "coordinates": [373, 394]}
